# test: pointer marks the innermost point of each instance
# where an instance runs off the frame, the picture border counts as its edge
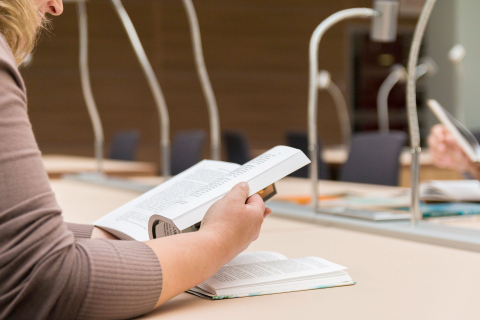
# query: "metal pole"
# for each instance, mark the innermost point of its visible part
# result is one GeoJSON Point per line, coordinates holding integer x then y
{"type": "Point", "coordinates": [342, 111]}
{"type": "Point", "coordinates": [313, 87]}
{"type": "Point", "coordinates": [325, 82]}
{"type": "Point", "coordinates": [412, 109]}
{"type": "Point", "coordinates": [398, 74]}
{"type": "Point", "coordinates": [215, 140]}
{"type": "Point", "coordinates": [86, 85]}
{"type": "Point", "coordinates": [456, 56]}
{"type": "Point", "coordinates": [153, 84]}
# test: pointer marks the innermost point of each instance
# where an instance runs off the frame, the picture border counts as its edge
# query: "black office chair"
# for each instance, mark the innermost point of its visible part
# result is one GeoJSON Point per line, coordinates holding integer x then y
{"type": "Point", "coordinates": [124, 145]}
{"type": "Point", "coordinates": [374, 158]}
{"type": "Point", "coordinates": [237, 147]}
{"type": "Point", "coordinates": [299, 140]}
{"type": "Point", "coordinates": [187, 150]}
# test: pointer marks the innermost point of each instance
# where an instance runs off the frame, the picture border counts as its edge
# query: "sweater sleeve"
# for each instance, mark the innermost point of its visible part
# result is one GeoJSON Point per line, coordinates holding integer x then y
{"type": "Point", "coordinates": [80, 231]}
{"type": "Point", "coordinates": [44, 272]}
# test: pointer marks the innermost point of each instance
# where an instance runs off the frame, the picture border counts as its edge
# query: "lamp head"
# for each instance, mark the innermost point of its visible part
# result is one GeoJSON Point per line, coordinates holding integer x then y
{"type": "Point", "coordinates": [384, 23]}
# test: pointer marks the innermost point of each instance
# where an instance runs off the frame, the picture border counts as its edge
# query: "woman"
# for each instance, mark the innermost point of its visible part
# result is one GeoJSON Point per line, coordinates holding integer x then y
{"type": "Point", "coordinates": [53, 270]}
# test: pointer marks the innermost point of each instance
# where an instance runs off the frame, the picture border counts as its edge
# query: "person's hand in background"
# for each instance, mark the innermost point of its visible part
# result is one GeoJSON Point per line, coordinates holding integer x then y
{"type": "Point", "coordinates": [447, 154]}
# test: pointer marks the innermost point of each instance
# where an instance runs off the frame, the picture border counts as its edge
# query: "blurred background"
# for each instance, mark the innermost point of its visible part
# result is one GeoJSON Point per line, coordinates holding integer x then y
{"type": "Point", "coordinates": [256, 53]}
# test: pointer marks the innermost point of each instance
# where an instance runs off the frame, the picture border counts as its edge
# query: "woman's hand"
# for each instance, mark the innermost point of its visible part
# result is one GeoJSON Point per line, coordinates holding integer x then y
{"type": "Point", "coordinates": [228, 228]}
{"type": "Point", "coordinates": [447, 154]}
{"type": "Point", "coordinates": [235, 220]}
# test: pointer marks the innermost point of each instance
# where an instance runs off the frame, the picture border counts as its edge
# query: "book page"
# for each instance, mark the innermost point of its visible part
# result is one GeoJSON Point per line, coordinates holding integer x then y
{"type": "Point", "coordinates": [459, 190]}
{"type": "Point", "coordinates": [255, 257]}
{"type": "Point", "coordinates": [132, 218]}
{"type": "Point", "coordinates": [268, 161]}
{"type": "Point", "coordinates": [255, 273]}
{"type": "Point", "coordinates": [465, 139]}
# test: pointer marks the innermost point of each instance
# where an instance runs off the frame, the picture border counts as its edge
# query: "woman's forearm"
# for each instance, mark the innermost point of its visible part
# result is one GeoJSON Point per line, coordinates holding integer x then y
{"type": "Point", "coordinates": [187, 260]}
{"type": "Point", "coordinates": [228, 227]}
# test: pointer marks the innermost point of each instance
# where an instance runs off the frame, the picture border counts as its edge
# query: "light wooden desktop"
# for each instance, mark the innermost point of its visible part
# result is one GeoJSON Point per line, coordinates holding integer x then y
{"type": "Point", "coordinates": [396, 279]}
{"type": "Point", "coordinates": [58, 165]}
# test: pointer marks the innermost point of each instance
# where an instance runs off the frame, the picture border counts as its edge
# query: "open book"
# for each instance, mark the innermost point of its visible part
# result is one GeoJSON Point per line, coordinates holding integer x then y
{"type": "Point", "coordinates": [465, 139]}
{"type": "Point", "coordinates": [450, 190]}
{"type": "Point", "coordinates": [179, 204]}
{"type": "Point", "coordinates": [259, 273]}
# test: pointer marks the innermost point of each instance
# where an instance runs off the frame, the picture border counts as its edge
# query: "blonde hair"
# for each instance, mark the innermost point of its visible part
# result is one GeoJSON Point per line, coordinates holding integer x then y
{"type": "Point", "coordinates": [19, 24]}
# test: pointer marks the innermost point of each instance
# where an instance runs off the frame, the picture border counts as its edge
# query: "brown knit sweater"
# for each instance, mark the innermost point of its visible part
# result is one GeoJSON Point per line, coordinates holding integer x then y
{"type": "Point", "coordinates": [50, 269]}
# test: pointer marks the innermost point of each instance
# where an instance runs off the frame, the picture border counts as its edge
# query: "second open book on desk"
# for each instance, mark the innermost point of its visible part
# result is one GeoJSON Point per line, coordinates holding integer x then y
{"type": "Point", "coordinates": [180, 203]}
{"type": "Point", "coordinates": [260, 273]}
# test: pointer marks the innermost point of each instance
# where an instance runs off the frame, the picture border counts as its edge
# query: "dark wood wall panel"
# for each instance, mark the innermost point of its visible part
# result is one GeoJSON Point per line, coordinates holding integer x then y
{"type": "Point", "coordinates": [256, 53]}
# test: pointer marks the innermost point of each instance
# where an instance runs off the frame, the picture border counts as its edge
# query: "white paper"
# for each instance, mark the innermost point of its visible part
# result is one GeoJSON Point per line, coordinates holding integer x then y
{"type": "Point", "coordinates": [459, 190]}
{"type": "Point", "coordinates": [268, 163]}
{"type": "Point", "coordinates": [132, 218]}
{"type": "Point", "coordinates": [248, 274]}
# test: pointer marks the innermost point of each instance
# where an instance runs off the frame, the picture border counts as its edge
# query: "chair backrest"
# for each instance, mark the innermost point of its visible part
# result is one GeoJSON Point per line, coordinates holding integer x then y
{"type": "Point", "coordinates": [236, 146]}
{"type": "Point", "coordinates": [187, 150]}
{"type": "Point", "coordinates": [374, 158]}
{"type": "Point", "coordinates": [124, 145]}
{"type": "Point", "coordinates": [299, 140]}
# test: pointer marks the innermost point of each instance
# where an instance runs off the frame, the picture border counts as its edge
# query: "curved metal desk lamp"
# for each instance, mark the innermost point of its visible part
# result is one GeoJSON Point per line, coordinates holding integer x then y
{"type": "Point", "coordinates": [98, 177]}
{"type": "Point", "coordinates": [215, 139]}
{"type": "Point", "coordinates": [414, 128]}
{"type": "Point", "coordinates": [86, 85]}
{"type": "Point", "coordinates": [399, 75]}
{"type": "Point", "coordinates": [325, 82]}
{"type": "Point", "coordinates": [147, 70]}
{"type": "Point", "coordinates": [384, 26]}
{"type": "Point", "coordinates": [152, 83]}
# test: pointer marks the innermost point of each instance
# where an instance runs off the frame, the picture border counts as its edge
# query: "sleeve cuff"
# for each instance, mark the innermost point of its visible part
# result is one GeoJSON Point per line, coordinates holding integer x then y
{"type": "Point", "coordinates": [80, 231]}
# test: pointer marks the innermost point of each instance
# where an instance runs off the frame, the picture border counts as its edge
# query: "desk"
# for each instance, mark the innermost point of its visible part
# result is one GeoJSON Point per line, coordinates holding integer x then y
{"type": "Point", "coordinates": [396, 279]}
{"type": "Point", "coordinates": [58, 165]}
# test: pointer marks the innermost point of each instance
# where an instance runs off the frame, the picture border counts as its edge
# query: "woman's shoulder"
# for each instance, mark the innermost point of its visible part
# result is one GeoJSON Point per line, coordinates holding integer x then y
{"type": "Point", "coordinates": [6, 54]}
{"type": "Point", "coordinates": [7, 63]}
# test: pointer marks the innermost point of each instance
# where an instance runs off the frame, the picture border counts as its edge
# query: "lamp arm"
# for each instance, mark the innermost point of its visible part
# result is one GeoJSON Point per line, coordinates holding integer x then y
{"type": "Point", "coordinates": [153, 84]}
{"type": "Point", "coordinates": [313, 87]}
{"type": "Point", "coordinates": [420, 71]}
{"type": "Point", "coordinates": [412, 108]}
{"type": "Point", "coordinates": [382, 100]}
{"type": "Point", "coordinates": [86, 85]}
{"type": "Point", "coordinates": [215, 140]}
{"type": "Point", "coordinates": [342, 111]}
